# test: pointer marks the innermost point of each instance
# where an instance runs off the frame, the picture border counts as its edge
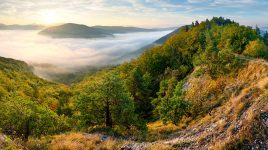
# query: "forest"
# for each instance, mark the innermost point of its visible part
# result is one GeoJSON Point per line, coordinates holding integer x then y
{"type": "Point", "coordinates": [122, 100]}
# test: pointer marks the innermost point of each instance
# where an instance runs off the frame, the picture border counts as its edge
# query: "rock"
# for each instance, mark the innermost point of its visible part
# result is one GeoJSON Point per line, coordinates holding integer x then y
{"type": "Point", "coordinates": [2, 141]}
{"type": "Point", "coordinates": [135, 146]}
{"type": "Point", "coordinates": [104, 137]}
{"type": "Point", "coordinates": [264, 118]}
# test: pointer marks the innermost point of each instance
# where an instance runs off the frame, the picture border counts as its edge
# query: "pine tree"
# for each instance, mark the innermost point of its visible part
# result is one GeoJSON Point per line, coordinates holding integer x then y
{"type": "Point", "coordinates": [265, 38]}
{"type": "Point", "coordinates": [106, 102]}
{"type": "Point", "coordinates": [196, 23]}
{"type": "Point", "coordinates": [258, 31]}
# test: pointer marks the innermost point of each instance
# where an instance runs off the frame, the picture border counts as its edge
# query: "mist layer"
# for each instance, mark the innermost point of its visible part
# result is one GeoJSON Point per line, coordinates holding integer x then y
{"type": "Point", "coordinates": [51, 56]}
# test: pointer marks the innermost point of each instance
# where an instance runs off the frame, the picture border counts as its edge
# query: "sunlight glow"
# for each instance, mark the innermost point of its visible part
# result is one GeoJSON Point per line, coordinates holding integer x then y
{"type": "Point", "coordinates": [49, 18]}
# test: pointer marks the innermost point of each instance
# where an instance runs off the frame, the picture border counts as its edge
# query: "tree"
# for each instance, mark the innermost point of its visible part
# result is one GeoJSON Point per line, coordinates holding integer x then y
{"type": "Point", "coordinates": [208, 25]}
{"type": "Point", "coordinates": [256, 48]}
{"type": "Point", "coordinates": [23, 118]}
{"type": "Point", "coordinates": [235, 37]}
{"type": "Point", "coordinates": [172, 107]}
{"type": "Point", "coordinates": [196, 23]}
{"type": "Point", "coordinates": [258, 31]}
{"type": "Point", "coordinates": [186, 28]}
{"type": "Point", "coordinates": [217, 62]}
{"type": "Point", "coordinates": [138, 84]}
{"type": "Point", "coordinates": [265, 38]}
{"type": "Point", "coordinates": [106, 101]}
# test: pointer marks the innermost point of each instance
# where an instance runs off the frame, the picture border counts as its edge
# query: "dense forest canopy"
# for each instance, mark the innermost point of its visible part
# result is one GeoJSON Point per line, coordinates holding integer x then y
{"type": "Point", "coordinates": [126, 97]}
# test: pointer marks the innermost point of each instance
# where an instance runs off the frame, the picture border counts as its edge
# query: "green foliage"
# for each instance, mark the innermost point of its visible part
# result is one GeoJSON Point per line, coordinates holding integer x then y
{"type": "Point", "coordinates": [138, 85]}
{"type": "Point", "coordinates": [106, 102]}
{"type": "Point", "coordinates": [170, 105]}
{"type": "Point", "coordinates": [24, 118]}
{"type": "Point", "coordinates": [28, 103]}
{"type": "Point", "coordinates": [219, 62]}
{"type": "Point", "coordinates": [220, 21]}
{"type": "Point", "coordinates": [235, 37]}
{"type": "Point", "coordinates": [265, 38]}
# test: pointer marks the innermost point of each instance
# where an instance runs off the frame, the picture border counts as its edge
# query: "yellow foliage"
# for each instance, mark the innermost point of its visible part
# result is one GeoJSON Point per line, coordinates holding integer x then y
{"type": "Point", "coordinates": [256, 48]}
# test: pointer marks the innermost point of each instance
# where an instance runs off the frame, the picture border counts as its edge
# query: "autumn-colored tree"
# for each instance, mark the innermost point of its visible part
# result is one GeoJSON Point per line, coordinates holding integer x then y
{"type": "Point", "coordinates": [256, 48]}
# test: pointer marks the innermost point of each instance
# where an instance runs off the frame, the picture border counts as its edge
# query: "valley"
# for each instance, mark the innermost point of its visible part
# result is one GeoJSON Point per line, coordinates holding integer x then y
{"type": "Point", "coordinates": [62, 57]}
{"type": "Point", "coordinates": [204, 87]}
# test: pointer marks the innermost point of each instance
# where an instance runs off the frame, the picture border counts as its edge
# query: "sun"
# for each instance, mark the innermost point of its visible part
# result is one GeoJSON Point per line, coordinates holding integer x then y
{"type": "Point", "coordinates": [49, 18]}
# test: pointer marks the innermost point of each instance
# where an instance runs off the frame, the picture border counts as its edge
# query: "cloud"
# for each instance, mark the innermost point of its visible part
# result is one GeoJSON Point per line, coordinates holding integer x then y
{"type": "Point", "coordinates": [130, 12]}
{"type": "Point", "coordinates": [197, 1]}
{"type": "Point", "coordinates": [232, 3]}
{"type": "Point", "coordinates": [67, 55]}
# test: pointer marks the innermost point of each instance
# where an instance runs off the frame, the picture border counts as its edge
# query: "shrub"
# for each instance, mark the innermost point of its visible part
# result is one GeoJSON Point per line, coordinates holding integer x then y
{"type": "Point", "coordinates": [256, 48]}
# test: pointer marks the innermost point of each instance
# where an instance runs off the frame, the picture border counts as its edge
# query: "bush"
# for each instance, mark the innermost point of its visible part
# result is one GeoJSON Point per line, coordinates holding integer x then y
{"type": "Point", "coordinates": [256, 48]}
{"type": "Point", "coordinates": [23, 118]}
{"type": "Point", "coordinates": [171, 108]}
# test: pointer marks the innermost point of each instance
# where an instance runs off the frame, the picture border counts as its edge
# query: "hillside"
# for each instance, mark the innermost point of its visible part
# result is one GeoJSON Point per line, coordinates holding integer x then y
{"type": "Point", "coordinates": [72, 30]}
{"type": "Point", "coordinates": [16, 65]}
{"type": "Point", "coordinates": [205, 87]}
{"type": "Point", "coordinates": [240, 122]}
{"type": "Point", "coordinates": [30, 106]}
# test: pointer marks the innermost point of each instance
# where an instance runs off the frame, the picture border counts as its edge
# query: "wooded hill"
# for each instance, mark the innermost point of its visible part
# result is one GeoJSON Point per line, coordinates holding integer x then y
{"type": "Point", "coordinates": [188, 77]}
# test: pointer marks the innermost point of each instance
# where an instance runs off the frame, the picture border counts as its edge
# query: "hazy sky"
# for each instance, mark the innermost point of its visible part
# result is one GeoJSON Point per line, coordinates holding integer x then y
{"type": "Point", "coordinates": [149, 13]}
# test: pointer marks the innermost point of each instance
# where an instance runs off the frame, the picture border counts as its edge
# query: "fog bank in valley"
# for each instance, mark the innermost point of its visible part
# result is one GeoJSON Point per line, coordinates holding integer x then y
{"type": "Point", "coordinates": [52, 56]}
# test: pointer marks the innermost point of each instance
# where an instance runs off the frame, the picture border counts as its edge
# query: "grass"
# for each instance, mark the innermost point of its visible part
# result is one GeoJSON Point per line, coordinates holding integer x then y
{"type": "Point", "coordinates": [159, 147]}
{"type": "Point", "coordinates": [75, 141]}
{"type": "Point", "coordinates": [8, 144]}
{"type": "Point", "coordinates": [157, 130]}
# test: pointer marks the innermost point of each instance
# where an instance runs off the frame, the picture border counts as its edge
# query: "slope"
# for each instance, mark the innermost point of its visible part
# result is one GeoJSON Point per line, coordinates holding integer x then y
{"type": "Point", "coordinates": [241, 121]}
{"type": "Point", "coordinates": [30, 106]}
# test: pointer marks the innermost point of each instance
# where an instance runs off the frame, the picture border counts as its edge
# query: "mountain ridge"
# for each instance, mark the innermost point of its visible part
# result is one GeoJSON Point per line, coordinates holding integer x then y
{"type": "Point", "coordinates": [153, 101]}
{"type": "Point", "coordinates": [20, 27]}
{"type": "Point", "coordinates": [71, 30]}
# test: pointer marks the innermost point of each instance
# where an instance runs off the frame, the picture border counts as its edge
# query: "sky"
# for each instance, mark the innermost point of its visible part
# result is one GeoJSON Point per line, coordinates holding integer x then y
{"type": "Point", "coordinates": [142, 13]}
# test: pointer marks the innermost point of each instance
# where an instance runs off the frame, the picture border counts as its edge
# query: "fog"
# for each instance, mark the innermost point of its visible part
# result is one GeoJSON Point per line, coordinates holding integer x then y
{"type": "Point", "coordinates": [49, 55]}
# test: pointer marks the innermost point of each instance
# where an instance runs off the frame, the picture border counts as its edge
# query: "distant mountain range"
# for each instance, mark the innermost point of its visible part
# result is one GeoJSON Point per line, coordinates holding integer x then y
{"type": "Point", "coordinates": [166, 37]}
{"type": "Point", "coordinates": [263, 30]}
{"type": "Point", "coordinates": [160, 41]}
{"type": "Point", "coordinates": [71, 30]}
{"type": "Point", "coordinates": [122, 29]}
{"type": "Point", "coordinates": [20, 27]}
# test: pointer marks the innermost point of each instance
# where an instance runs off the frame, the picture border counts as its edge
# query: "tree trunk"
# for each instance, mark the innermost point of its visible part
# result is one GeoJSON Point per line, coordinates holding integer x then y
{"type": "Point", "coordinates": [27, 130]}
{"type": "Point", "coordinates": [108, 116]}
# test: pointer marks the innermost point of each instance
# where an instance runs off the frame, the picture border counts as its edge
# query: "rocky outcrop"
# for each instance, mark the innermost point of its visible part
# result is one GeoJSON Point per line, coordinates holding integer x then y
{"type": "Point", "coordinates": [240, 122]}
